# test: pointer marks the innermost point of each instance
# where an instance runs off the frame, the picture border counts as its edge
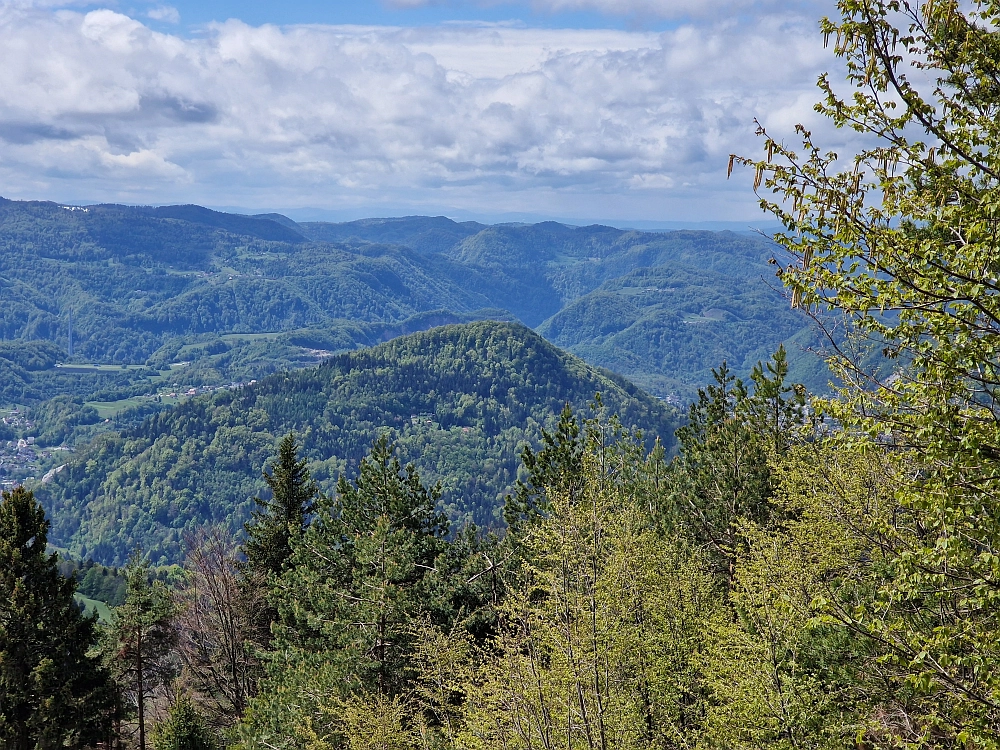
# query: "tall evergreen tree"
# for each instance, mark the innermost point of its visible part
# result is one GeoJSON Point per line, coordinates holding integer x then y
{"type": "Point", "coordinates": [722, 475]}
{"type": "Point", "coordinates": [285, 516]}
{"type": "Point", "coordinates": [52, 690]}
{"type": "Point", "coordinates": [555, 467]}
{"type": "Point", "coordinates": [366, 567]}
{"type": "Point", "coordinates": [141, 638]}
{"type": "Point", "coordinates": [365, 572]}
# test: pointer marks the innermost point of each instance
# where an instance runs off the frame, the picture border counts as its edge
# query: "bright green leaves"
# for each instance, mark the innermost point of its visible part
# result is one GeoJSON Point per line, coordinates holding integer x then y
{"type": "Point", "coordinates": [599, 635]}
{"type": "Point", "coordinates": [184, 729]}
{"type": "Point", "coordinates": [903, 242]}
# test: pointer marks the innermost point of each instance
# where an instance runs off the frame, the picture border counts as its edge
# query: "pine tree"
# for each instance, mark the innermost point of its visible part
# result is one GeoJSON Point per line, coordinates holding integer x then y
{"type": "Point", "coordinates": [141, 638]}
{"type": "Point", "coordinates": [183, 729]}
{"type": "Point", "coordinates": [556, 467]}
{"type": "Point", "coordinates": [285, 516]}
{"type": "Point", "coordinates": [366, 567]}
{"type": "Point", "coordinates": [362, 575]}
{"type": "Point", "coordinates": [52, 691]}
{"type": "Point", "coordinates": [722, 475]}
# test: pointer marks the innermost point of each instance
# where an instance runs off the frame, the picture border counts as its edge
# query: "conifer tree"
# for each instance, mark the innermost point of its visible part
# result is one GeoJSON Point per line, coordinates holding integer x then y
{"type": "Point", "coordinates": [365, 568]}
{"type": "Point", "coordinates": [52, 690]}
{"type": "Point", "coordinates": [285, 516]}
{"type": "Point", "coordinates": [722, 475]}
{"type": "Point", "coordinates": [362, 575]}
{"type": "Point", "coordinates": [555, 467]}
{"type": "Point", "coordinates": [184, 728]}
{"type": "Point", "coordinates": [141, 638]}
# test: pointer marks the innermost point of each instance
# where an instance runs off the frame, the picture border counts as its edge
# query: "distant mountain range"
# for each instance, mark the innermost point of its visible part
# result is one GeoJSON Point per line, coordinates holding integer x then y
{"type": "Point", "coordinates": [147, 285]}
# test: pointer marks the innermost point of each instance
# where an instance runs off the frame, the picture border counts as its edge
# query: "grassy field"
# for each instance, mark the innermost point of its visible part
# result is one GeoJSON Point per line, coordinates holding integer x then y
{"type": "Point", "coordinates": [92, 605]}
{"type": "Point", "coordinates": [248, 336]}
{"type": "Point", "coordinates": [111, 409]}
{"type": "Point", "coordinates": [97, 368]}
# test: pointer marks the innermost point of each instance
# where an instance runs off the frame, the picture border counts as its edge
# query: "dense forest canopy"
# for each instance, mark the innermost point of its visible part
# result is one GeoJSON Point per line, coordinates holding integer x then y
{"type": "Point", "coordinates": [460, 401]}
{"type": "Point", "coordinates": [140, 283]}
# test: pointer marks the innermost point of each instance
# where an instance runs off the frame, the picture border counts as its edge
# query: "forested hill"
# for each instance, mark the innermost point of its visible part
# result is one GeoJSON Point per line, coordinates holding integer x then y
{"type": "Point", "coordinates": [461, 400]}
{"type": "Point", "coordinates": [145, 284]}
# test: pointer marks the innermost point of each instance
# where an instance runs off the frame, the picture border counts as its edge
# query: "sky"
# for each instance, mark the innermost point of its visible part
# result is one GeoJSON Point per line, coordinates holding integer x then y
{"type": "Point", "coordinates": [621, 111]}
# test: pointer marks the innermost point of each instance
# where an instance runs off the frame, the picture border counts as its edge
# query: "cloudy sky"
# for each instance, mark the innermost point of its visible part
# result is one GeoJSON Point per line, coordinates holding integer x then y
{"type": "Point", "coordinates": [611, 110]}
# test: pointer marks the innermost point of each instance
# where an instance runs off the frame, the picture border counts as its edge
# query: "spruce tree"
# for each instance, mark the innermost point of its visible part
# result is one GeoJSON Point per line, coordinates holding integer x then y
{"type": "Point", "coordinates": [285, 516]}
{"type": "Point", "coordinates": [184, 729]}
{"type": "Point", "coordinates": [52, 691]}
{"type": "Point", "coordinates": [141, 638]}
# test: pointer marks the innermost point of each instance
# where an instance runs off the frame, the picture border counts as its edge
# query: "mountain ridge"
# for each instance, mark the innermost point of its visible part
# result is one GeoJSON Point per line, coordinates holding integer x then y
{"type": "Point", "coordinates": [460, 400]}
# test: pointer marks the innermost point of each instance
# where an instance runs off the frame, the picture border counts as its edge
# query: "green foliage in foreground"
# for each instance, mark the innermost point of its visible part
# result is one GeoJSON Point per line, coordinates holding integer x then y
{"type": "Point", "coordinates": [139, 640]}
{"type": "Point", "coordinates": [630, 606]}
{"type": "Point", "coordinates": [909, 225]}
{"type": "Point", "coordinates": [460, 401]}
{"type": "Point", "coordinates": [52, 690]}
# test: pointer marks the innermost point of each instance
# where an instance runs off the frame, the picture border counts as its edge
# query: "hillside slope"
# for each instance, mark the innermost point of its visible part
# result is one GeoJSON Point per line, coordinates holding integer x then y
{"type": "Point", "coordinates": [141, 283]}
{"type": "Point", "coordinates": [667, 327]}
{"type": "Point", "coordinates": [461, 401]}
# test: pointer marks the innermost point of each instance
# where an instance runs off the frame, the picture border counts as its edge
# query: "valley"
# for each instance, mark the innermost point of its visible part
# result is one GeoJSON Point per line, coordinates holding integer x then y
{"type": "Point", "coordinates": [185, 320]}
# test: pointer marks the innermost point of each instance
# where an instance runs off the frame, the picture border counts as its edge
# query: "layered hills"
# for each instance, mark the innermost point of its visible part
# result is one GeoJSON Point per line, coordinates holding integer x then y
{"type": "Point", "coordinates": [668, 326]}
{"type": "Point", "coordinates": [196, 337]}
{"type": "Point", "coordinates": [459, 400]}
{"type": "Point", "coordinates": [183, 283]}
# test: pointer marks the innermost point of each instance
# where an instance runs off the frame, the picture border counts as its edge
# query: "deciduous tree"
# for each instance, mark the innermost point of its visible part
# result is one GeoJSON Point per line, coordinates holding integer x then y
{"type": "Point", "coordinates": [901, 238]}
{"type": "Point", "coordinates": [218, 609]}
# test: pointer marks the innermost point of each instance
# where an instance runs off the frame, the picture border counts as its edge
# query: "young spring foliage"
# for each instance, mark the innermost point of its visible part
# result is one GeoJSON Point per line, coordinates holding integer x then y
{"type": "Point", "coordinates": [902, 240]}
{"type": "Point", "coordinates": [600, 632]}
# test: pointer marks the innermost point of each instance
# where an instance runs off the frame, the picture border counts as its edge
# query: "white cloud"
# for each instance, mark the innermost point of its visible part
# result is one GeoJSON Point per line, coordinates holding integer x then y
{"type": "Point", "coordinates": [166, 13]}
{"type": "Point", "coordinates": [641, 8]}
{"type": "Point", "coordinates": [605, 124]}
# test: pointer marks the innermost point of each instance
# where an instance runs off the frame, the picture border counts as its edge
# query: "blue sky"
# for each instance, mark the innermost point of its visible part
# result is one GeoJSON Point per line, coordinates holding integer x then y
{"type": "Point", "coordinates": [257, 12]}
{"type": "Point", "coordinates": [622, 111]}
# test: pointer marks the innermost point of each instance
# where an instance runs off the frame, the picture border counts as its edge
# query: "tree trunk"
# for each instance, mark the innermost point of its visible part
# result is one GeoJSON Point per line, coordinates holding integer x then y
{"type": "Point", "coordinates": [141, 693]}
